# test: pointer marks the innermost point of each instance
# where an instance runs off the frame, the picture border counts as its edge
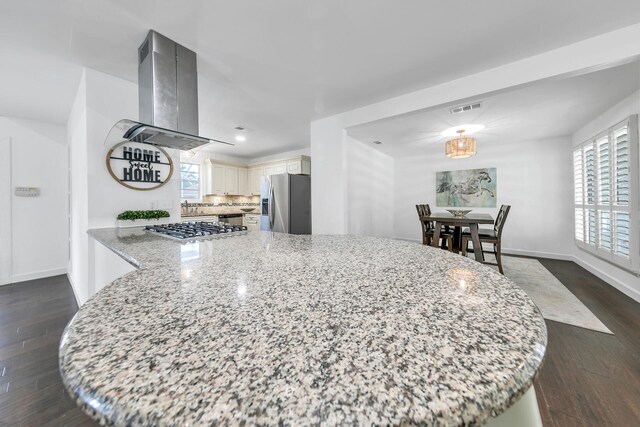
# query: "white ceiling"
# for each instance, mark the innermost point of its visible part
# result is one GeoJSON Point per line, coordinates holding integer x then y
{"type": "Point", "coordinates": [546, 109]}
{"type": "Point", "coordinates": [275, 65]}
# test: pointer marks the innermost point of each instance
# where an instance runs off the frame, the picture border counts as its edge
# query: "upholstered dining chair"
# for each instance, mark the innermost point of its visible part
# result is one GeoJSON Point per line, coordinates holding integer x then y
{"type": "Point", "coordinates": [490, 236]}
{"type": "Point", "coordinates": [427, 229]}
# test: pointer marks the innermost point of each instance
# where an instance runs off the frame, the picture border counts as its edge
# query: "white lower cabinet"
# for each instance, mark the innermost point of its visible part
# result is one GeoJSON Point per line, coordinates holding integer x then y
{"type": "Point", "coordinates": [251, 221]}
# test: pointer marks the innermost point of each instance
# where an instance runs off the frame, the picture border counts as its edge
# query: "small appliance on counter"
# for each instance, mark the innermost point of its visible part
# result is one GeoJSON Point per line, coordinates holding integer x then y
{"type": "Point", "coordinates": [285, 203]}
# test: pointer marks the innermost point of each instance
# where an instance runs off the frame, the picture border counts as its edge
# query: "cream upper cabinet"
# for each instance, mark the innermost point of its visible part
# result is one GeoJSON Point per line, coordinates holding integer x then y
{"type": "Point", "coordinates": [275, 169]}
{"type": "Point", "coordinates": [299, 166]}
{"type": "Point", "coordinates": [225, 179]}
{"type": "Point", "coordinates": [243, 186]}
{"type": "Point", "coordinates": [218, 175]}
{"type": "Point", "coordinates": [253, 180]}
{"type": "Point", "coordinates": [295, 167]}
{"type": "Point", "coordinates": [231, 184]}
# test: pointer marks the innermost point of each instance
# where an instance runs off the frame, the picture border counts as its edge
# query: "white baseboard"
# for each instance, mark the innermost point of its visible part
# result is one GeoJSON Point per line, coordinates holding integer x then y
{"type": "Point", "coordinates": [621, 286]}
{"type": "Point", "coordinates": [73, 289]}
{"type": "Point", "coordinates": [509, 251]}
{"type": "Point", "coordinates": [17, 278]}
{"type": "Point", "coordinates": [537, 254]}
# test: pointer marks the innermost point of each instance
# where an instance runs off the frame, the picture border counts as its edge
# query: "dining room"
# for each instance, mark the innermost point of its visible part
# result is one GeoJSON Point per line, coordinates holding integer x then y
{"type": "Point", "coordinates": [540, 184]}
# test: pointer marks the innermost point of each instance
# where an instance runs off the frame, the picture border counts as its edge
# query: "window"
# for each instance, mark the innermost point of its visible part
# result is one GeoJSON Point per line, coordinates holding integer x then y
{"type": "Point", "coordinates": [189, 181]}
{"type": "Point", "coordinates": [605, 207]}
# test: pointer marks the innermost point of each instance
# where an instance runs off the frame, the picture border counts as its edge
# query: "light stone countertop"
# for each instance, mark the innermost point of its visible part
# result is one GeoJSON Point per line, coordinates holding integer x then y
{"type": "Point", "coordinates": [267, 328]}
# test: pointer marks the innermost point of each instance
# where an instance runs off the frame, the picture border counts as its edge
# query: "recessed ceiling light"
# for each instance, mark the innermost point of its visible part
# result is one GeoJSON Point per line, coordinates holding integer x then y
{"type": "Point", "coordinates": [468, 130]}
{"type": "Point", "coordinates": [241, 138]}
{"type": "Point", "coordinates": [376, 142]}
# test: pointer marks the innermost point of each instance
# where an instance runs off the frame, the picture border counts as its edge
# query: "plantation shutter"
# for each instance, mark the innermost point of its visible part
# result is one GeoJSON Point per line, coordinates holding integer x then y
{"type": "Point", "coordinates": [590, 194]}
{"type": "Point", "coordinates": [621, 160]}
{"type": "Point", "coordinates": [605, 171]}
{"type": "Point", "coordinates": [578, 191]}
{"type": "Point", "coordinates": [621, 165]}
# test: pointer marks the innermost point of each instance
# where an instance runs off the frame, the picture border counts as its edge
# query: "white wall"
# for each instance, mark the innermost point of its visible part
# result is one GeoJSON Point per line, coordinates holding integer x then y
{"type": "Point", "coordinates": [328, 188]}
{"type": "Point", "coordinates": [370, 178]}
{"type": "Point", "coordinates": [101, 101]}
{"type": "Point", "coordinates": [534, 177]}
{"type": "Point", "coordinates": [36, 154]}
{"type": "Point", "coordinates": [110, 99]}
{"type": "Point", "coordinates": [280, 156]}
{"type": "Point", "coordinates": [79, 208]}
{"type": "Point", "coordinates": [621, 279]}
{"type": "Point", "coordinates": [329, 183]}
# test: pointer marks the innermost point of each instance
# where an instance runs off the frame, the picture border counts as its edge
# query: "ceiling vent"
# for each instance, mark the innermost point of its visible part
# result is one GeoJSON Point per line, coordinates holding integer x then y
{"type": "Point", "coordinates": [463, 108]}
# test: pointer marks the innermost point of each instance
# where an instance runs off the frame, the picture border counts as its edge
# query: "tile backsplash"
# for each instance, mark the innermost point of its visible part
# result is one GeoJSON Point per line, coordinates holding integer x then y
{"type": "Point", "coordinates": [215, 205]}
{"type": "Point", "coordinates": [232, 199]}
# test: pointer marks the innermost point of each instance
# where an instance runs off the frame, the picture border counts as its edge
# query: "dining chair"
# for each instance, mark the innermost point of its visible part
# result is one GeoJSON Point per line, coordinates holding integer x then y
{"type": "Point", "coordinates": [490, 236]}
{"type": "Point", "coordinates": [427, 229]}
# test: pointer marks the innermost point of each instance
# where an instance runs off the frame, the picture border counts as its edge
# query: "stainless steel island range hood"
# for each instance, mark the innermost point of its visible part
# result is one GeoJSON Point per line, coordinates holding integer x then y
{"type": "Point", "coordinates": [168, 98]}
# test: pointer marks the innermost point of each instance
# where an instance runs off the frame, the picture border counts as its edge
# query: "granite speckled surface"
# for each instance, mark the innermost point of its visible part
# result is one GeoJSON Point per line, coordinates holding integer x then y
{"type": "Point", "coordinates": [299, 330]}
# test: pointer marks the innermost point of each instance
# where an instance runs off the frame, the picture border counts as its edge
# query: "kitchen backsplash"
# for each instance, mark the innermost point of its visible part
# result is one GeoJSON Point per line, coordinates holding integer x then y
{"type": "Point", "coordinates": [216, 205]}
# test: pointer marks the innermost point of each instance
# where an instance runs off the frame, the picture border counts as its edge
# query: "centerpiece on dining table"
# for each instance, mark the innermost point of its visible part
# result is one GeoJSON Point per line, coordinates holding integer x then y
{"type": "Point", "coordinates": [459, 212]}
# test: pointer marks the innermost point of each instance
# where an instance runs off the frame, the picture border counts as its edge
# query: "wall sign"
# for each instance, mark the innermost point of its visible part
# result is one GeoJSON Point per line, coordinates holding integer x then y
{"type": "Point", "coordinates": [139, 166]}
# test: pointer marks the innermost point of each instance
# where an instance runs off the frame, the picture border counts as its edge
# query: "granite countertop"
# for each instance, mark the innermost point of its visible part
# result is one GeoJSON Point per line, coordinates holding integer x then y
{"type": "Point", "coordinates": [268, 328]}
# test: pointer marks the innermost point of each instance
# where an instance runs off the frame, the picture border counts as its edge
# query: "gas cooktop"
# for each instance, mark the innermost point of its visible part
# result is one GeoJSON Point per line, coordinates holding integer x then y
{"type": "Point", "coordinates": [195, 229]}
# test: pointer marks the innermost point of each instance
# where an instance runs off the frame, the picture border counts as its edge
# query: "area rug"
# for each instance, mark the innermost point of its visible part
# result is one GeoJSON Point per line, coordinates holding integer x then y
{"type": "Point", "coordinates": [554, 300]}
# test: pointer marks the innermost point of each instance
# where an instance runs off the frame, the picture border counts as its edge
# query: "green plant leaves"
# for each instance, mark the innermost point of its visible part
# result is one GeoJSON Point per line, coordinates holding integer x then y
{"type": "Point", "coordinates": [152, 214]}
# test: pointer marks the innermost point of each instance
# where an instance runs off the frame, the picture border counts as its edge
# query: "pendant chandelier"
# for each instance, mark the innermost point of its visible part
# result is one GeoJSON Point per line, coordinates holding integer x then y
{"type": "Point", "coordinates": [461, 146]}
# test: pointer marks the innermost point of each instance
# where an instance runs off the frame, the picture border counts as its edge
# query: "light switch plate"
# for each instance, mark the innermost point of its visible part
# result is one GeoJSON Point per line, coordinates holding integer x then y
{"type": "Point", "coordinates": [27, 191]}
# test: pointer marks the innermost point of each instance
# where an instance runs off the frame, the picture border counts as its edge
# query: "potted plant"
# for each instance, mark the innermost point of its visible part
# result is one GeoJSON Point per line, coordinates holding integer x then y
{"type": "Point", "coordinates": [140, 218]}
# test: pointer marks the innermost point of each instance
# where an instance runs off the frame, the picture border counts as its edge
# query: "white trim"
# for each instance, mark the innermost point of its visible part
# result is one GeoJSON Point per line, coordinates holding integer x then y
{"type": "Point", "coordinates": [17, 278]}
{"type": "Point", "coordinates": [507, 251]}
{"type": "Point", "coordinates": [73, 289]}
{"type": "Point", "coordinates": [612, 281]}
{"type": "Point", "coordinates": [537, 254]}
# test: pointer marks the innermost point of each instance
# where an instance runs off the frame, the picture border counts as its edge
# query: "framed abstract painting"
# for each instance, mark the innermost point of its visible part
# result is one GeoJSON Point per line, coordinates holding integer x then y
{"type": "Point", "coordinates": [467, 188]}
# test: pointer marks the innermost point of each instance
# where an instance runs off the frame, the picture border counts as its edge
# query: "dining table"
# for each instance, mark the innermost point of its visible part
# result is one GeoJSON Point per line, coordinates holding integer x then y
{"type": "Point", "coordinates": [471, 220]}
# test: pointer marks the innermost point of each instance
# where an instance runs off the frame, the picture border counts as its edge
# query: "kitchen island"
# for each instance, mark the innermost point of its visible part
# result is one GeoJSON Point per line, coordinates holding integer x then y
{"type": "Point", "coordinates": [268, 328]}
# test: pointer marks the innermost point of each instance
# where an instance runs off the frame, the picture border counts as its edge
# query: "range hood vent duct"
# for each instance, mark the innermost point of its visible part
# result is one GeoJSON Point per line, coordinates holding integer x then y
{"type": "Point", "coordinates": [167, 95]}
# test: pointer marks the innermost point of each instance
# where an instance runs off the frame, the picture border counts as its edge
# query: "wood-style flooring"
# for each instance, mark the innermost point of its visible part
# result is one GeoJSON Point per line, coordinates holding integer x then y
{"type": "Point", "coordinates": [588, 378]}
{"type": "Point", "coordinates": [32, 317]}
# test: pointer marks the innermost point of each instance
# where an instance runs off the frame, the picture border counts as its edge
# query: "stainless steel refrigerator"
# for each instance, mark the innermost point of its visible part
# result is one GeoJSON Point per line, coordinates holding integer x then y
{"type": "Point", "coordinates": [285, 203]}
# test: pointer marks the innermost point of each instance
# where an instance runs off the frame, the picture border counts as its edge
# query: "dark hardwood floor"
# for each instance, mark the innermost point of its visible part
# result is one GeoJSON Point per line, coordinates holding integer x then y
{"type": "Point", "coordinates": [32, 317]}
{"type": "Point", "coordinates": [588, 378]}
{"type": "Point", "coordinates": [591, 378]}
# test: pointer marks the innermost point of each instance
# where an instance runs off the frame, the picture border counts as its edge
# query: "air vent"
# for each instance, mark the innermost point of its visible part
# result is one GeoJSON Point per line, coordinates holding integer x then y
{"type": "Point", "coordinates": [240, 128]}
{"type": "Point", "coordinates": [376, 142]}
{"type": "Point", "coordinates": [463, 108]}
